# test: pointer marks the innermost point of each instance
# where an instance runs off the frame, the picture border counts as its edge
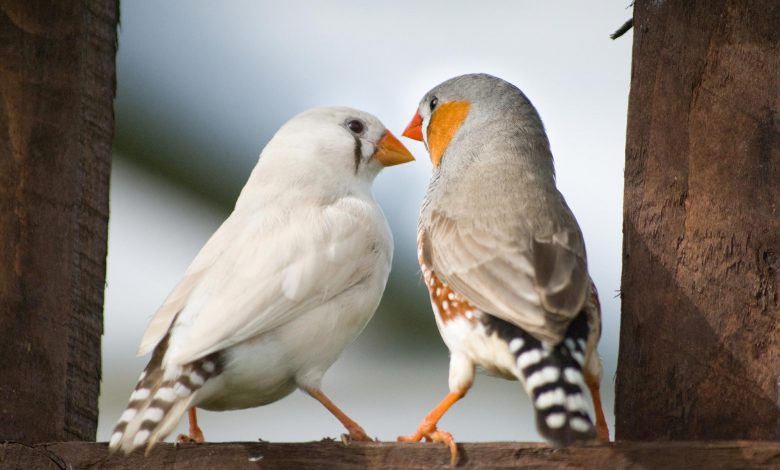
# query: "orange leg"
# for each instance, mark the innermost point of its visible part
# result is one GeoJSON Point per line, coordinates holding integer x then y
{"type": "Point", "coordinates": [601, 423]}
{"type": "Point", "coordinates": [427, 429]}
{"type": "Point", "coordinates": [196, 434]}
{"type": "Point", "coordinates": [356, 433]}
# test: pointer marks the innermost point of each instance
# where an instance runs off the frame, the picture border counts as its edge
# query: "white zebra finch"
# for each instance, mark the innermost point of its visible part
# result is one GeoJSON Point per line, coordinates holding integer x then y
{"type": "Point", "coordinates": [281, 288]}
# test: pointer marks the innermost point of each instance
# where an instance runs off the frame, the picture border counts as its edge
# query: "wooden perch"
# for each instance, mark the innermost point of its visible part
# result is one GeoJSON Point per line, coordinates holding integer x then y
{"type": "Point", "coordinates": [334, 455]}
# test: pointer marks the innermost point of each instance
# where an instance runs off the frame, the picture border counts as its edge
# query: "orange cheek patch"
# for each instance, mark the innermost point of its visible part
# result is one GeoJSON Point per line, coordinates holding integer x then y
{"type": "Point", "coordinates": [445, 122]}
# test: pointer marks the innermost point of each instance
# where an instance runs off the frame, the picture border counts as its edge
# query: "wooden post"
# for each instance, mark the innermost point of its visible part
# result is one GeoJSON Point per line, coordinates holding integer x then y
{"type": "Point", "coordinates": [700, 334]}
{"type": "Point", "coordinates": [57, 83]}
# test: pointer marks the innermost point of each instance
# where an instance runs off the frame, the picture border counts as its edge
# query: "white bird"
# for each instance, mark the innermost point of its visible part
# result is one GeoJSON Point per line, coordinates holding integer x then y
{"type": "Point", "coordinates": [282, 287]}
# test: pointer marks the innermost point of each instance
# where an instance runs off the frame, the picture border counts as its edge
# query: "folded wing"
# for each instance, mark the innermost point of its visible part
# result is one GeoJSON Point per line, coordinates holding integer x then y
{"type": "Point", "coordinates": [535, 278]}
{"type": "Point", "coordinates": [257, 274]}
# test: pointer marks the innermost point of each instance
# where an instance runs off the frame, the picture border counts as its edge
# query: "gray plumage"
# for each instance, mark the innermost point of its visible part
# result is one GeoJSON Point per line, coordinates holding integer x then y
{"type": "Point", "coordinates": [504, 237]}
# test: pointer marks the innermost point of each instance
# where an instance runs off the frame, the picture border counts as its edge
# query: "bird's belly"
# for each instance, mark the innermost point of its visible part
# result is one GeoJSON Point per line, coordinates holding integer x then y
{"type": "Point", "coordinates": [270, 366]}
{"type": "Point", "coordinates": [469, 337]}
{"type": "Point", "coordinates": [255, 373]}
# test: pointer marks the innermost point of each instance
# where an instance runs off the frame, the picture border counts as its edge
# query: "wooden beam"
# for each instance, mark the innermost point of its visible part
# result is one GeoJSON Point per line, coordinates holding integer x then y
{"type": "Point", "coordinates": [57, 85]}
{"type": "Point", "coordinates": [333, 455]}
{"type": "Point", "coordinates": [700, 333]}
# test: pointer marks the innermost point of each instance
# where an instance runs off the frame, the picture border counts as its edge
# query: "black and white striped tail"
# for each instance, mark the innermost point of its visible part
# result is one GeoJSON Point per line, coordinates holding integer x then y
{"type": "Point", "coordinates": [554, 380]}
{"type": "Point", "coordinates": [159, 400]}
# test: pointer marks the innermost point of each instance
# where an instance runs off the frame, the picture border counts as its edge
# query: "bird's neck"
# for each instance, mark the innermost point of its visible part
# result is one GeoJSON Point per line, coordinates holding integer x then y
{"type": "Point", "coordinates": [522, 151]}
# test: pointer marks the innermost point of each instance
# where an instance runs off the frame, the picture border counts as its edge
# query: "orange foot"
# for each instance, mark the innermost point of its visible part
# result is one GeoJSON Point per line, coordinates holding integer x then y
{"type": "Point", "coordinates": [356, 434]}
{"type": "Point", "coordinates": [602, 430]}
{"type": "Point", "coordinates": [185, 439]}
{"type": "Point", "coordinates": [431, 434]}
{"type": "Point", "coordinates": [196, 434]}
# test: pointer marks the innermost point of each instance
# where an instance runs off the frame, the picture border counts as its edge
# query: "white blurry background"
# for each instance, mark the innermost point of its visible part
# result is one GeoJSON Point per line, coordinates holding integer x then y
{"type": "Point", "coordinates": [203, 85]}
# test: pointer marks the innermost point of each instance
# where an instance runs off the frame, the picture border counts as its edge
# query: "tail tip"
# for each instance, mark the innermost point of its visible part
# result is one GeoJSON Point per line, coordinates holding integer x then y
{"type": "Point", "coordinates": [113, 443]}
{"type": "Point", "coordinates": [562, 429]}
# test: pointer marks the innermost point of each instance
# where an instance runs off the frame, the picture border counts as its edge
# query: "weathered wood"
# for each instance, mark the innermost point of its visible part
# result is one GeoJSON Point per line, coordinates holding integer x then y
{"type": "Point", "coordinates": [57, 83]}
{"type": "Point", "coordinates": [333, 455]}
{"type": "Point", "coordinates": [700, 333]}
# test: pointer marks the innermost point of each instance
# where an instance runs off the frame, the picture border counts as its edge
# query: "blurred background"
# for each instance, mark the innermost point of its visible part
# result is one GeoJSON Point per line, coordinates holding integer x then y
{"type": "Point", "coordinates": [202, 86]}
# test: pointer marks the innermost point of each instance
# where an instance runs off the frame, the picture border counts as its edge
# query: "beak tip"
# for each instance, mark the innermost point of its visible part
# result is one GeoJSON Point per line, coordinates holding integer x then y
{"type": "Point", "coordinates": [392, 151]}
{"type": "Point", "coordinates": [414, 134]}
{"type": "Point", "coordinates": [414, 129]}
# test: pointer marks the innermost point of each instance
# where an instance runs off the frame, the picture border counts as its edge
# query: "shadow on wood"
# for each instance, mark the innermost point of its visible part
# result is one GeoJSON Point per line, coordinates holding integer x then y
{"type": "Point", "coordinates": [700, 326]}
{"type": "Point", "coordinates": [330, 454]}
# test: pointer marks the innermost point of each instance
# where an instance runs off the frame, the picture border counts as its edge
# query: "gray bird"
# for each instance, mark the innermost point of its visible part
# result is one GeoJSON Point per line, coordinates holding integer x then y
{"type": "Point", "coordinates": [504, 259]}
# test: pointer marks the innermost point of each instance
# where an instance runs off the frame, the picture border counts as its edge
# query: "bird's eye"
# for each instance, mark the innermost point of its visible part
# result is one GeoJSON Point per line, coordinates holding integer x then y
{"type": "Point", "coordinates": [356, 126]}
{"type": "Point", "coordinates": [434, 102]}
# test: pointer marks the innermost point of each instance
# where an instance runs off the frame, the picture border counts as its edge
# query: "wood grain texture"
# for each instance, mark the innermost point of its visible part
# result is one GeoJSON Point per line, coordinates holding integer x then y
{"type": "Point", "coordinates": [333, 455]}
{"type": "Point", "coordinates": [700, 333]}
{"type": "Point", "coordinates": [57, 84]}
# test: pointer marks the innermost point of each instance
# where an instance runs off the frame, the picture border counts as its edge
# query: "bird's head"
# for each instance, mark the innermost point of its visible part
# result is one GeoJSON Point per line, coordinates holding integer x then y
{"type": "Point", "coordinates": [480, 105]}
{"type": "Point", "coordinates": [338, 142]}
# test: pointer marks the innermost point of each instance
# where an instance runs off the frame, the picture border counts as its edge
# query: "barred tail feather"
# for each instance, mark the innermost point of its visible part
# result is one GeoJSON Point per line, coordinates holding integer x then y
{"type": "Point", "coordinates": [169, 422]}
{"type": "Point", "coordinates": [144, 422]}
{"type": "Point", "coordinates": [553, 378]}
{"type": "Point", "coordinates": [159, 400]}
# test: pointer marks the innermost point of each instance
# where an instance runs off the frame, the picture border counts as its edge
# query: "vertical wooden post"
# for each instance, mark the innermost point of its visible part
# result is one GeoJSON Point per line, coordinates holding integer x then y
{"type": "Point", "coordinates": [57, 84]}
{"type": "Point", "coordinates": [700, 333]}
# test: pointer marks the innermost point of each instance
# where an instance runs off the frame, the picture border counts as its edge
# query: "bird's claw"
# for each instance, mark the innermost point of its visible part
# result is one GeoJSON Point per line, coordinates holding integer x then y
{"type": "Point", "coordinates": [434, 435]}
{"type": "Point", "coordinates": [185, 439]}
{"type": "Point", "coordinates": [447, 439]}
{"type": "Point", "coordinates": [602, 432]}
{"type": "Point", "coordinates": [356, 434]}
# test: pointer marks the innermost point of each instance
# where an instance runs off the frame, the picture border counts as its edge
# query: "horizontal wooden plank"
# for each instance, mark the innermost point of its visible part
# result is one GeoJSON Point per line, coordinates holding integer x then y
{"type": "Point", "coordinates": [384, 455]}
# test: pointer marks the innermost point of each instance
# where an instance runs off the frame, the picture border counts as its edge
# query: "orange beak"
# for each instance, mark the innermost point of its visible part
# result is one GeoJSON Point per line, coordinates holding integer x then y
{"type": "Point", "coordinates": [414, 129]}
{"type": "Point", "coordinates": [390, 151]}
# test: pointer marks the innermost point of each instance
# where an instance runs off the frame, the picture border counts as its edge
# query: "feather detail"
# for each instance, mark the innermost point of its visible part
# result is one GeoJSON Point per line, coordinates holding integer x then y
{"type": "Point", "coordinates": [159, 400]}
{"type": "Point", "coordinates": [552, 375]}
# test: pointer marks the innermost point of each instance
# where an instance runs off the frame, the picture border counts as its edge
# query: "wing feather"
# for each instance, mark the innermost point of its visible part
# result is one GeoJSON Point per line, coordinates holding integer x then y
{"type": "Point", "coordinates": [174, 303]}
{"type": "Point", "coordinates": [532, 275]}
{"type": "Point", "coordinates": [264, 272]}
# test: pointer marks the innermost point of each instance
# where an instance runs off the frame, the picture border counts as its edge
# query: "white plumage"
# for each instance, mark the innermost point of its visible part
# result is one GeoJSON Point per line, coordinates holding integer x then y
{"type": "Point", "coordinates": [281, 288]}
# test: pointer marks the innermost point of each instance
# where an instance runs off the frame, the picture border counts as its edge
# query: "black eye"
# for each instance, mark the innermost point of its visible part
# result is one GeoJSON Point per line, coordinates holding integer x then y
{"type": "Point", "coordinates": [434, 102]}
{"type": "Point", "coordinates": [356, 126]}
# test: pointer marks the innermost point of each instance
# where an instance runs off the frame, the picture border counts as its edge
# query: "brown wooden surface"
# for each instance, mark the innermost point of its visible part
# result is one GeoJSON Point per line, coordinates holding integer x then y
{"type": "Point", "coordinates": [57, 85]}
{"type": "Point", "coordinates": [700, 334]}
{"type": "Point", "coordinates": [332, 455]}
